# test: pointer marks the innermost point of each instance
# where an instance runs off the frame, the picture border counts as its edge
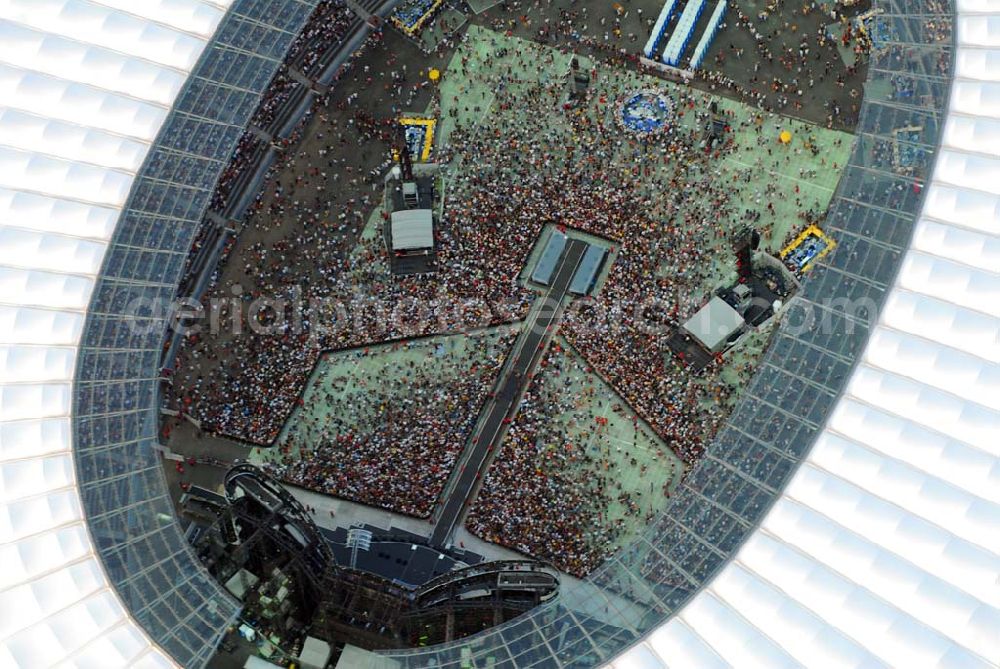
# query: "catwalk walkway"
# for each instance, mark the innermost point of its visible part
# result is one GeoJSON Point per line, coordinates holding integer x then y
{"type": "Point", "coordinates": [526, 353]}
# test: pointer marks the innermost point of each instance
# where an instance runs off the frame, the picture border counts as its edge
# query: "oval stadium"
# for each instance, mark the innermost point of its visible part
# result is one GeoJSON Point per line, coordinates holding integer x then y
{"type": "Point", "coordinates": [499, 334]}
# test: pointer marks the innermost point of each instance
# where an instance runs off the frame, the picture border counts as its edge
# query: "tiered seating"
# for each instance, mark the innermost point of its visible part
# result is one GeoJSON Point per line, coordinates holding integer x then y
{"type": "Point", "coordinates": [710, 31]}
{"type": "Point", "coordinates": [682, 33]}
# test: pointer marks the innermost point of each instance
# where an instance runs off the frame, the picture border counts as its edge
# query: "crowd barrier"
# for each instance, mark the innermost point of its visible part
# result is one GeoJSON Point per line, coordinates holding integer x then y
{"type": "Point", "coordinates": [710, 32]}
{"type": "Point", "coordinates": [682, 33]}
{"type": "Point", "coordinates": [659, 27]}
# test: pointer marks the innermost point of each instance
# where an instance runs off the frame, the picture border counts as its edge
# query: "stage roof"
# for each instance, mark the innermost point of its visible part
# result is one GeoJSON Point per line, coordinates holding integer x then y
{"type": "Point", "coordinates": [884, 548]}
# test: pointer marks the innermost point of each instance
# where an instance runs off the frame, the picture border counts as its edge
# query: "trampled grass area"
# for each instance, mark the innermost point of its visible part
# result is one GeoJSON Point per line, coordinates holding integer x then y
{"type": "Point", "coordinates": [563, 466]}
{"type": "Point", "coordinates": [383, 425]}
{"type": "Point", "coordinates": [579, 464]}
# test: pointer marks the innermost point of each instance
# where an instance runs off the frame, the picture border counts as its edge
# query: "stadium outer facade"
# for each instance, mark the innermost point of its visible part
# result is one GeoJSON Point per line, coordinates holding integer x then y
{"type": "Point", "coordinates": [847, 515]}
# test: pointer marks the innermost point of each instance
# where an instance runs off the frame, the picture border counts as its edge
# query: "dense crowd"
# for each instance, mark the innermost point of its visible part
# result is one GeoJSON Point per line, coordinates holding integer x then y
{"type": "Point", "coordinates": [281, 88]}
{"type": "Point", "coordinates": [389, 436]}
{"type": "Point", "coordinates": [672, 225]}
{"type": "Point", "coordinates": [556, 490]}
{"type": "Point", "coordinates": [324, 32]}
{"type": "Point", "coordinates": [303, 243]}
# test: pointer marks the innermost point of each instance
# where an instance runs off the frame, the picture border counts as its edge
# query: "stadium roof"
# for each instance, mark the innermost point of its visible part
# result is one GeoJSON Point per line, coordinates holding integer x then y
{"type": "Point", "coordinates": [84, 89]}
{"type": "Point", "coordinates": [884, 549]}
{"type": "Point", "coordinates": [881, 551]}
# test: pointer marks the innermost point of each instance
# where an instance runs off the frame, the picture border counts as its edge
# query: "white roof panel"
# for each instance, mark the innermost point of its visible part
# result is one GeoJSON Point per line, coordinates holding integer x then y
{"type": "Point", "coordinates": [973, 86]}
{"type": "Point", "coordinates": [82, 104]}
{"type": "Point", "coordinates": [89, 64]}
{"type": "Point", "coordinates": [84, 88]}
{"type": "Point", "coordinates": [39, 250]}
{"type": "Point", "coordinates": [796, 629]}
{"type": "Point", "coordinates": [884, 548]}
{"type": "Point", "coordinates": [733, 636]}
{"type": "Point", "coordinates": [199, 17]}
{"type": "Point", "coordinates": [967, 169]}
{"type": "Point", "coordinates": [39, 173]}
{"type": "Point", "coordinates": [43, 213]}
{"type": "Point", "coordinates": [976, 248]}
{"type": "Point", "coordinates": [944, 322]}
{"type": "Point", "coordinates": [973, 134]}
{"type": "Point", "coordinates": [678, 646]}
{"type": "Point", "coordinates": [29, 132]}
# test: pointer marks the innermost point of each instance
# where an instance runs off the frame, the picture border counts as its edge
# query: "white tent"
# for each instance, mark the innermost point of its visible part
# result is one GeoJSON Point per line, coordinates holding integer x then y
{"type": "Point", "coordinates": [85, 87]}
{"type": "Point", "coordinates": [412, 229]}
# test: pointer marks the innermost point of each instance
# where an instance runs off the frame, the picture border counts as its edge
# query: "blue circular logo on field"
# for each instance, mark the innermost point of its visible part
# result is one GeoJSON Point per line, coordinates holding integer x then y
{"type": "Point", "coordinates": [645, 112]}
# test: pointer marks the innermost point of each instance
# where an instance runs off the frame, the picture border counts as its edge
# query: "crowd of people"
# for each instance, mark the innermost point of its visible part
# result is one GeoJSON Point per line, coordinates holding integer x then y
{"type": "Point", "coordinates": [558, 490]}
{"type": "Point", "coordinates": [670, 207]}
{"type": "Point", "coordinates": [386, 432]}
{"type": "Point", "coordinates": [510, 175]}
{"type": "Point", "coordinates": [327, 27]}
{"type": "Point", "coordinates": [797, 61]}
{"type": "Point", "coordinates": [281, 88]}
{"type": "Point", "coordinates": [325, 30]}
